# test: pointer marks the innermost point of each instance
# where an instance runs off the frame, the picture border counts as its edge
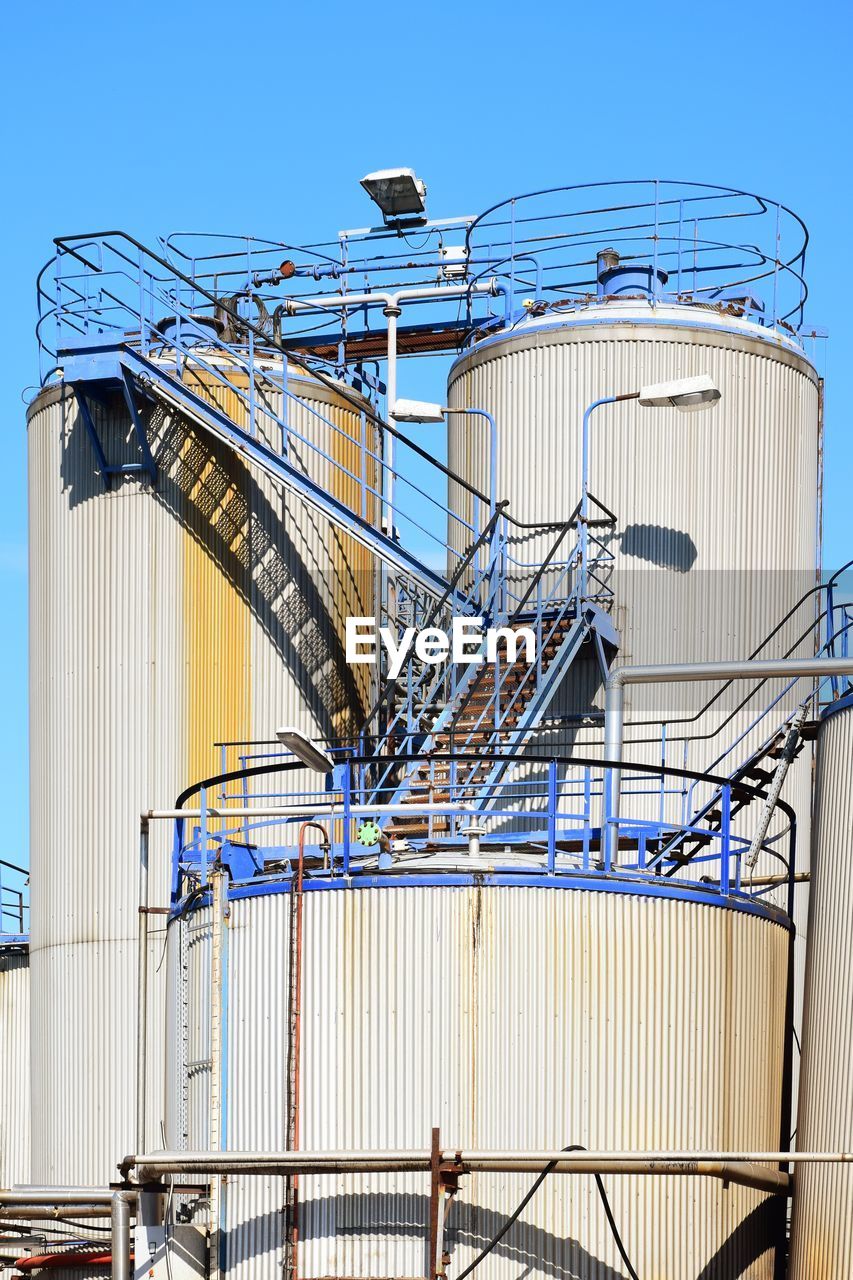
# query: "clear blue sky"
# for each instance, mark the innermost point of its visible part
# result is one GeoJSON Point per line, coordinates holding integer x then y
{"type": "Point", "coordinates": [262, 118]}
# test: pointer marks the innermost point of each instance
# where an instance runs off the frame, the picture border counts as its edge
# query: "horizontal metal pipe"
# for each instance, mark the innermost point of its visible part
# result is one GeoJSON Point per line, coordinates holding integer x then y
{"type": "Point", "coordinates": [744, 1173]}
{"type": "Point", "coordinates": [38, 1211]}
{"type": "Point", "coordinates": [56, 1195]}
{"type": "Point", "coordinates": [799, 877]}
{"type": "Point", "coordinates": [425, 293]}
{"type": "Point", "coordinates": [156, 1162]}
{"type": "Point", "coordinates": [331, 808]}
{"type": "Point", "coordinates": [744, 1168]}
{"type": "Point", "coordinates": [743, 668]}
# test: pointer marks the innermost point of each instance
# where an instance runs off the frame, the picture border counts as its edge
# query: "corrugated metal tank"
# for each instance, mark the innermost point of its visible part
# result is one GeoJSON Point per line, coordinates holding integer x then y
{"type": "Point", "coordinates": [512, 1017]}
{"type": "Point", "coordinates": [14, 1067]}
{"type": "Point", "coordinates": [822, 1231]}
{"type": "Point", "coordinates": [717, 516]}
{"type": "Point", "coordinates": [717, 511]}
{"type": "Point", "coordinates": [208, 607]}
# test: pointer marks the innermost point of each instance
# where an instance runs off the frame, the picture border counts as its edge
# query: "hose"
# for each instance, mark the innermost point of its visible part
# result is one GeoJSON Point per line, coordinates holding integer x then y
{"type": "Point", "coordinates": [60, 1261]}
{"type": "Point", "coordinates": [513, 1218]}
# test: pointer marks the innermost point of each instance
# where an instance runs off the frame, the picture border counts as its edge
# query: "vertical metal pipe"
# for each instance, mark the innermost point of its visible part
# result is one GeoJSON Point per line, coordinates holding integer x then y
{"type": "Point", "coordinates": [142, 987]}
{"type": "Point", "coordinates": [218, 1015]}
{"type": "Point", "coordinates": [585, 456]}
{"type": "Point", "coordinates": [296, 951]}
{"type": "Point", "coordinates": [120, 1236]}
{"type": "Point", "coordinates": [392, 313]}
{"type": "Point", "coordinates": [435, 1180]}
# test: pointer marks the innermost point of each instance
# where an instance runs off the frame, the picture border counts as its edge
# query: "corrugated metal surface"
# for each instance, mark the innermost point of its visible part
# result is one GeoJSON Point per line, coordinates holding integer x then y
{"type": "Point", "coordinates": [822, 1241]}
{"type": "Point", "coordinates": [14, 1069]}
{"type": "Point", "coordinates": [510, 1017]}
{"type": "Point", "coordinates": [716, 511]}
{"type": "Point", "coordinates": [717, 517]}
{"type": "Point", "coordinates": [161, 620]}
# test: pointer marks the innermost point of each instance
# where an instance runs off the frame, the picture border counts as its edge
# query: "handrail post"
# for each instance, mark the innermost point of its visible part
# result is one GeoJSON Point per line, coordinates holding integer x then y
{"type": "Point", "coordinates": [725, 827]}
{"type": "Point", "coordinates": [203, 833]}
{"type": "Point", "coordinates": [347, 816]}
{"type": "Point", "coordinates": [552, 814]}
{"type": "Point", "coordinates": [142, 323]}
{"type": "Point", "coordinates": [777, 251]}
{"type": "Point", "coordinates": [609, 841]}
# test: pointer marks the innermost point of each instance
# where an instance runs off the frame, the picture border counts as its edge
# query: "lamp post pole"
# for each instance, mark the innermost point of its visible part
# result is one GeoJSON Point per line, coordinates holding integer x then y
{"type": "Point", "coordinates": [584, 516]}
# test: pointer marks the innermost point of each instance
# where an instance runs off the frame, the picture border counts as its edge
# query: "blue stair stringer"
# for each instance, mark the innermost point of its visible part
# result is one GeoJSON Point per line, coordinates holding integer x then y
{"type": "Point", "coordinates": [108, 364]}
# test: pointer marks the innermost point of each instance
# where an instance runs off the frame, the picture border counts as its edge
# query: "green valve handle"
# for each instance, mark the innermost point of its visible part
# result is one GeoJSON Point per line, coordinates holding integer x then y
{"type": "Point", "coordinates": [369, 833]}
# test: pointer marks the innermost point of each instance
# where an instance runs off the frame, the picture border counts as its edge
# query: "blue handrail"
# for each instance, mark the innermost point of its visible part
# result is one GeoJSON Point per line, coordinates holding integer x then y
{"type": "Point", "coordinates": [555, 821]}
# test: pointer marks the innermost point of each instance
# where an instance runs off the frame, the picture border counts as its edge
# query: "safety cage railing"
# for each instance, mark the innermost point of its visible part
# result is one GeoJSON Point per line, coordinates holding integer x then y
{"type": "Point", "coordinates": [689, 242]}
{"type": "Point", "coordinates": [693, 243]}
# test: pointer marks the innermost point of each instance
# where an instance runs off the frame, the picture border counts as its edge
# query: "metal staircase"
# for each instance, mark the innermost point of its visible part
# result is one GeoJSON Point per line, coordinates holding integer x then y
{"type": "Point", "coordinates": [500, 709]}
{"type": "Point", "coordinates": [135, 324]}
{"type": "Point", "coordinates": [94, 370]}
{"type": "Point", "coordinates": [499, 700]}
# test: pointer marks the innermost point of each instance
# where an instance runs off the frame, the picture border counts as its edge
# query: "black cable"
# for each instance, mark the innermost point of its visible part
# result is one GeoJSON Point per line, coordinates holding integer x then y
{"type": "Point", "coordinates": [44, 1229]}
{"type": "Point", "coordinates": [513, 1218]}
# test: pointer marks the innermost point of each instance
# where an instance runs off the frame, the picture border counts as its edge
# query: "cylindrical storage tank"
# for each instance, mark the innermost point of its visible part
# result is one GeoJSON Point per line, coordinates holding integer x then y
{"type": "Point", "coordinates": [513, 1017]}
{"type": "Point", "coordinates": [822, 1231]}
{"type": "Point", "coordinates": [14, 1066]}
{"type": "Point", "coordinates": [716, 511]}
{"type": "Point", "coordinates": [716, 533]}
{"type": "Point", "coordinates": [208, 606]}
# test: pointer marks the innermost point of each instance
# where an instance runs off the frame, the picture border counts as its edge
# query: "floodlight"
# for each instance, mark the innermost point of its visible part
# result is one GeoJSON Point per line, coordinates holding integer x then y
{"type": "Point", "coordinates": [397, 192]}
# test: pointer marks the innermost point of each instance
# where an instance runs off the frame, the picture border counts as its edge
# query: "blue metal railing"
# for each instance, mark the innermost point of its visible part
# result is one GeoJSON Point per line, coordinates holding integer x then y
{"type": "Point", "coordinates": [14, 899]}
{"type": "Point", "coordinates": [109, 287]}
{"type": "Point", "coordinates": [553, 828]}
{"type": "Point", "coordinates": [718, 247]}
{"type": "Point", "coordinates": [683, 232]}
{"type": "Point", "coordinates": [838, 622]}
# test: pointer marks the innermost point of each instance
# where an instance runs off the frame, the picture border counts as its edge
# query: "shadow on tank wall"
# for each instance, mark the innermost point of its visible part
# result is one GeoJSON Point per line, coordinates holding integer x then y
{"type": "Point", "coordinates": [666, 548]}
{"type": "Point", "coordinates": [218, 501]}
{"type": "Point", "coordinates": [405, 1215]}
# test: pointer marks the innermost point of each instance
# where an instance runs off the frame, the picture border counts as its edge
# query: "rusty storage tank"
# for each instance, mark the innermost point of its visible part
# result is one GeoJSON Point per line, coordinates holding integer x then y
{"type": "Point", "coordinates": [516, 1012]}
{"type": "Point", "coordinates": [207, 606]}
{"type": "Point", "coordinates": [822, 1230]}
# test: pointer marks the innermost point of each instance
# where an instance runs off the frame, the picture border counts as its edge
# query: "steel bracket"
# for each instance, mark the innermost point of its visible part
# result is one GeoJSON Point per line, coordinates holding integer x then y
{"type": "Point", "coordinates": [121, 380]}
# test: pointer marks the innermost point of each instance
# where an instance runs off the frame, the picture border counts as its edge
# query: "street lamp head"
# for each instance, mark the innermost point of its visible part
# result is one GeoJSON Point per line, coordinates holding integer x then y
{"type": "Point", "coordinates": [687, 394]}
{"type": "Point", "coordinates": [417, 411]}
{"type": "Point", "coordinates": [304, 749]}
